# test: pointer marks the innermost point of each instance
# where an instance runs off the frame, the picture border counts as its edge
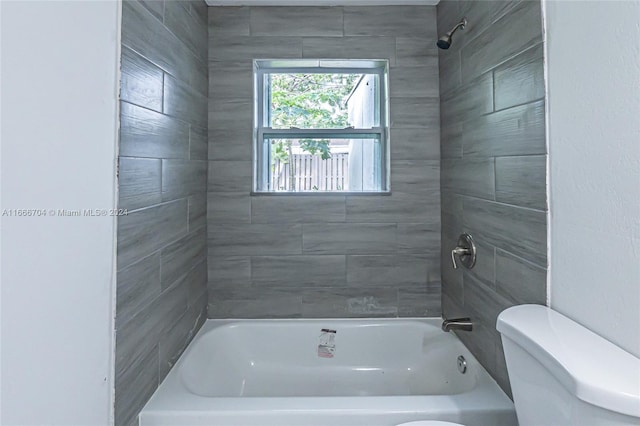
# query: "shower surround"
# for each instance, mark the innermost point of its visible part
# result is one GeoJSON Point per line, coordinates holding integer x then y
{"type": "Point", "coordinates": [332, 255]}
{"type": "Point", "coordinates": [161, 281]}
{"type": "Point", "coordinates": [492, 101]}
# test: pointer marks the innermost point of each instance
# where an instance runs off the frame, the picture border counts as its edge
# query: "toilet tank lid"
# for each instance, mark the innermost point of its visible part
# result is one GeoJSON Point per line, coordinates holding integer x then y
{"type": "Point", "coordinates": [590, 367]}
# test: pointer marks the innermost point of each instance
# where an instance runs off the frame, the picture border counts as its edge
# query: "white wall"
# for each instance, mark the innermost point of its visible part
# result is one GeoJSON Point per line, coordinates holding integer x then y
{"type": "Point", "coordinates": [594, 144]}
{"type": "Point", "coordinates": [58, 142]}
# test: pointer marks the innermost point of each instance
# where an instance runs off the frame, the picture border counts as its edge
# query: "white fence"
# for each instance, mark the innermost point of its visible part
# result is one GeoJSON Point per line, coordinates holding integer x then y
{"type": "Point", "coordinates": [311, 173]}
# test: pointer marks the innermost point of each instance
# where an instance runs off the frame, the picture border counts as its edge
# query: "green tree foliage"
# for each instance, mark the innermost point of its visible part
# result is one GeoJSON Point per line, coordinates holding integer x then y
{"type": "Point", "coordinates": [309, 101]}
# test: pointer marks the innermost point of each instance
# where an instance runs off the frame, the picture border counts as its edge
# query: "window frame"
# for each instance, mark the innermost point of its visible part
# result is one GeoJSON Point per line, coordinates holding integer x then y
{"type": "Point", "coordinates": [262, 132]}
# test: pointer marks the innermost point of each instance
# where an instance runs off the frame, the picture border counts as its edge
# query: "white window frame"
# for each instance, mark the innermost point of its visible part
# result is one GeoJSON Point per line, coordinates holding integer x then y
{"type": "Point", "coordinates": [262, 132]}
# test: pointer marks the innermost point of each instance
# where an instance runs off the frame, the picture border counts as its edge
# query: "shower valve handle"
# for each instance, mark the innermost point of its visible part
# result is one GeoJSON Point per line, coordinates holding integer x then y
{"type": "Point", "coordinates": [466, 252]}
{"type": "Point", "coordinates": [458, 251]}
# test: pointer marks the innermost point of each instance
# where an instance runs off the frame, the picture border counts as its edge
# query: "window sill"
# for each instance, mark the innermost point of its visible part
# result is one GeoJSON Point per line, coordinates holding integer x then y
{"type": "Point", "coordinates": [315, 194]}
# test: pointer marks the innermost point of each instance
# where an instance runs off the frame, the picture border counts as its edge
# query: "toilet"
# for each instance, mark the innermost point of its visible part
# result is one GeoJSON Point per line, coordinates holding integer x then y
{"type": "Point", "coordinates": [564, 374]}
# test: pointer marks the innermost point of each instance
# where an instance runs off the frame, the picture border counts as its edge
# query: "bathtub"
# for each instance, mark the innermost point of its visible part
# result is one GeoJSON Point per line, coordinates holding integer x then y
{"type": "Point", "coordinates": [326, 373]}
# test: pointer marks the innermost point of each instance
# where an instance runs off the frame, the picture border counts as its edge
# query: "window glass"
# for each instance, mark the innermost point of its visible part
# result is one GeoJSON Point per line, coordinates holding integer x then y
{"type": "Point", "coordinates": [321, 129]}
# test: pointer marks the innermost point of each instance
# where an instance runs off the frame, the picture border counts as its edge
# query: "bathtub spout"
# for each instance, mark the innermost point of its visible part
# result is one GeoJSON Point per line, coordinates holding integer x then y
{"type": "Point", "coordinates": [463, 324]}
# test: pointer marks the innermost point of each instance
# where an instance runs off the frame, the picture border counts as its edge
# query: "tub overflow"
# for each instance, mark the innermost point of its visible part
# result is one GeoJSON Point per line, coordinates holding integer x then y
{"type": "Point", "coordinates": [462, 364]}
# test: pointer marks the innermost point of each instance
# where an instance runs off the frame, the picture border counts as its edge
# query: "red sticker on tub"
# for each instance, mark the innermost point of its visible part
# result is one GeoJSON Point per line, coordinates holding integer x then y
{"type": "Point", "coordinates": [327, 343]}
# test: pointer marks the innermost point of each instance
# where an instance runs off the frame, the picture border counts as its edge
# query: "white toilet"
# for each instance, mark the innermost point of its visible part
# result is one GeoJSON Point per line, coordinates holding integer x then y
{"type": "Point", "coordinates": [563, 374]}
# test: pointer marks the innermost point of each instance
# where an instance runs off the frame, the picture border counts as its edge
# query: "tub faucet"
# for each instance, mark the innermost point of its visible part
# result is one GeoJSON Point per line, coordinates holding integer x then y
{"type": "Point", "coordinates": [463, 324]}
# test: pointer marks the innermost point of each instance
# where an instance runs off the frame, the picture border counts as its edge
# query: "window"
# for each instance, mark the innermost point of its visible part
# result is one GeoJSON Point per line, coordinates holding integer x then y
{"type": "Point", "coordinates": [321, 126]}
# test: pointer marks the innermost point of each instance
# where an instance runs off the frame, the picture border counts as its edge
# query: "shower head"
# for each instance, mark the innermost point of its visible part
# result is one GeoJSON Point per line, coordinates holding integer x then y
{"type": "Point", "coordinates": [444, 42]}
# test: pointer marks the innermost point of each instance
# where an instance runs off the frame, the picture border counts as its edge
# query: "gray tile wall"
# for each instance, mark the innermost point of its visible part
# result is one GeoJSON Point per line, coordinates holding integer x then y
{"type": "Point", "coordinates": [493, 165]}
{"type": "Point", "coordinates": [162, 253]}
{"type": "Point", "coordinates": [324, 256]}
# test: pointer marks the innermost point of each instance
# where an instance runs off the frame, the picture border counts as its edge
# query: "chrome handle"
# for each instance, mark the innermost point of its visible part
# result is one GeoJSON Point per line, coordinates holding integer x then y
{"type": "Point", "coordinates": [466, 251]}
{"type": "Point", "coordinates": [458, 251]}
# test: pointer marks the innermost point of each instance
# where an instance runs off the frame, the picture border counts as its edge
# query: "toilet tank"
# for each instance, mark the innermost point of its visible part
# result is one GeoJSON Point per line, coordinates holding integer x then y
{"type": "Point", "coordinates": [563, 374]}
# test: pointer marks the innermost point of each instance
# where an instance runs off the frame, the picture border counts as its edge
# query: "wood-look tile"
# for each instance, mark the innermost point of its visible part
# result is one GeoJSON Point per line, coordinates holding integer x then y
{"type": "Point", "coordinates": [419, 301]}
{"type": "Point", "coordinates": [189, 28]}
{"type": "Point", "coordinates": [141, 81]}
{"type": "Point", "coordinates": [259, 302]}
{"type": "Point", "coordinates": [231, 144]}
{"type": "Point", "coordinates": [387, 270]}
{"type": "Point", "coordinates": [255, 239]}
{"type": "Point", "coordinates": [485, 268]}
{"type": "Point", "coordinates": [451, 140]}
{"type": "Point", "coordinates": [352, 238]}
{"type": "Point", "coordinates": [352, 302]}
{"type": "Point", "coordinates": [298, 209]}
{"type": "Point", "coordinates": [134, 388]}
{"type": "Point", "coordinates": [407, 21]}
{"type": "Point", "coordinates": [140, 335]}
{"type": "Point", "coordinates": [296, 21]}
{"type": "Point", "coordinates": [491, 47]}
{"type": "Point", "coordinates": [469, 101]}
{"type": "Point", "coordinates": [474, 177]}
{"type": "Point", "coordinates": [242, 48]}
{"type": "Point", "coordinates": [452, 308]}
{"type": "Point", "coordinates": [156, 7]}
{"type": "Point", "coordinates": [180, 257]}
{"type": "Point", "coordinates": [138, 286]}
{"type": "Point", "coordinates": [415, 144]}
{"type": "Point", "coordinates": [296, 271]}
{"type": "Point", "coordinates": [198, 143]}
{"type": "Point", "coordinates": [146, 133]}
{"type": "Point", "coordinates": [416, 51]}
{"type": "Point", "coordinates": [422, 238]}
{"type": "Point", "coordinates": [520, 80]}
{"type": "Point", "coordinates": [139, 182]}
{"type": "Point", "coordinates": [230, 113]}
{"type": "Point", "coordinates": [199, 9]}
{"type": "Point", "coordinates": [415, 82]}
{"type": "Point", "coordinates": [175, 340]}
{"type": "Point", "coordinates": [522, 181]}
{"type": "Point", "coordinates": [411, 113]}
{"type": "Point", "coordinates": [515, 131]}
{"type": "Point", "coordinates": [225, 271]}
{"type": "Point", "coordinates": [196, 282]}
{"type": "Point", "coordinates": [416, 177]}
{"type": "Point", "coordinates": [182, 178]}
{"type": "Point", "coordinates": [519, 280]}
{"type": "Point", "coordinates": [197, 211]}
{"type": "Point", "coordinates": [452, 209]}
{"type": "Point", "coordinates": [399, 207]}
{"type": "Point", "coordinates": [483, 302]}
{"type": "Point", "coordinates": [450, 72]}
{"type": "Point", "coordinates": [228, 207]}
{"type": "Point", "coordinates": [229, 176]}
{"type": "Point", "coordinates": [142, 232]}
{"type": "Point", "coordinates": [143, 33]}
{"type": "Point", "coordinates": [350, 48]}
{"type": "Point", "coordinates": [229, 20]}
{"type": "Point", "coordinates": [230, 80]}
{"type": "Point", "coordinates": [183, 102]}
{"type": "Point", "coordinates": [517, 230]}
{"type": "Point", "coordinates": [480, 15]}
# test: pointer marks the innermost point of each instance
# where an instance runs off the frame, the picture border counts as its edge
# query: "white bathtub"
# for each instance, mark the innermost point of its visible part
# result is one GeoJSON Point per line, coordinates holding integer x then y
{"type": "Point", "coordinates": [269, 373]}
